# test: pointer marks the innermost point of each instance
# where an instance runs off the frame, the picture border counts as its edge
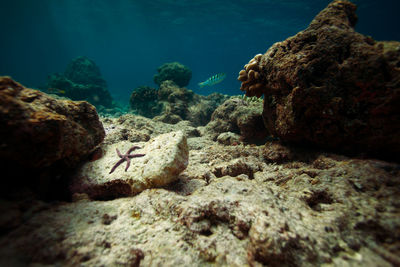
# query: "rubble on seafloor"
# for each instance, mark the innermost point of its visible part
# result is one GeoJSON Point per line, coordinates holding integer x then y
{"type": "Point", "coordinates": [233, 205]}
{"type": "Point", "coordinates": [190, 196]}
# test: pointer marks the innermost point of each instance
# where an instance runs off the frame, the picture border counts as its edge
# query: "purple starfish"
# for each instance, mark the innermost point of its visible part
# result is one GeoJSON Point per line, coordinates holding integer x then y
{"type": "Point", "coordinates": [126, 157]}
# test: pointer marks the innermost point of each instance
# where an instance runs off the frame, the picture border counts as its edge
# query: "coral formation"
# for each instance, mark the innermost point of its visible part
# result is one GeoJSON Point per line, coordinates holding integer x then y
{"type": "Point", "coordinates": [241, 117]}
{"type": "Point", "coordinates": [331, 86]}
{"type": "Point", "coordinates": [171, 103]}
{"type": "Point", "coordinates": [144, 101]}
{"type": "Point", "coordinates": [250, 78]}
{"type": "Point", "coordinates": [175, 72]}
{"type": "Point", "coordinates": [81, 81]}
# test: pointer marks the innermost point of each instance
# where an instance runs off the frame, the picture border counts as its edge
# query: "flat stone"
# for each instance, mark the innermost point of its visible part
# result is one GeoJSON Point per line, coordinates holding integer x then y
{"type": "Point", "coordinates": [166, 156]}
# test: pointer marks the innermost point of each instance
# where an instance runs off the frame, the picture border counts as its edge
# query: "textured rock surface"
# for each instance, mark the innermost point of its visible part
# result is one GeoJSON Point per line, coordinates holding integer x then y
{"type": "Point", "coordinates": [37, 130]}
{"type": "Point", "coordinates": [172, 104]}
{"type": "Point", "coordinates": [228, 208]}
{"type": "Point", "coordinates": [234, 205]}
{"type": "Point", "coordinates": [81, 80]}
{"type": "Point", "coordinates": [144, 101]}
{"type": "Point", "coordinates": [175, 101]}
{"type": "Point", "coordinates": [240, 117]}
{"type": "Point", "coordinates": [175, 72]}
{"type": "Point", "coordinates": [331, 86]}
{"type": "Point", "coordinates": [164, 158]}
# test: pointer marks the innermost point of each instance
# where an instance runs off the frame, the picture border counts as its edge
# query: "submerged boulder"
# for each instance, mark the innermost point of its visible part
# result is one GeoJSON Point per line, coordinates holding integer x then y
{"type": "Point", "coordinates": [331, 86]}
{"type": "Point", "coordinates": [240, 117]}
{"type": "Point", "coordinates": [144, 101]}
{"type": "Point", "coordinates": [171, 103]}
{"type": "Point", "coordinates": [174, 71]}
{"type": "Point", "coordinates": [37, 130]}
{"type": "Point", "coordinates": [81, 80]}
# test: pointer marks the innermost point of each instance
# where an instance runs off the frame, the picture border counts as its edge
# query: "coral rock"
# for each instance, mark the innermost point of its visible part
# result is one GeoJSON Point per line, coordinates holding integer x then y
{"type": "Point", "coordinates": [38, 130]}
{"type": "Point", "coordinates": [250, 78]}
{"type": "Point", "coordinates": [175, 72]}
{"type": "Point", "coordinates": [165, 157]}
{"type": "Point", "coordinates": [331, 86]}
{"type": "Point", "coordinates": [143, 101]}
{"type": "Point", "coordinates": [172, 104]}
{"type": "Point", "coordinates": [240, 117]}
{"type": "Point", "coordinates": [81, 80]}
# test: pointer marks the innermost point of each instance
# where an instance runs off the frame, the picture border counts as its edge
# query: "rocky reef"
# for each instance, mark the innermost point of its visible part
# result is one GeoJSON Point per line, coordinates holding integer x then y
{"type": "Point", "coordinates": [144, 101]}
{"type": "Point", "coordinates": [232, 205]}
{"type": "Point", "coordinates": [174, 71]}
{"type": "Point", "coordinates": [81, 80]}
{"type": "Point", "coordinates": [330, 86]}
{"type": "Point", "coordinates": [143, 192]}
{"type": "Point", "coordinates": [171, 103]}
{"type": "Point", "coordinates": [238, 117]}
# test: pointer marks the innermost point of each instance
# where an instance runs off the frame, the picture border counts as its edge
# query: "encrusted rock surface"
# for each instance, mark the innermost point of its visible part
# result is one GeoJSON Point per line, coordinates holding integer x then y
{"type": "Point", "coordinates": [144, 101]}
{"type": "Point", "coordinates": [175, 72]}
{"type": "Point", "coordinates": [331, 86]}
{"type": "Point", "coordinates": [37, 130]}
{"type": "Point", "coordinates": [164, 158]}
{"type": "Point", "coordinates": [233, 205]}
{"type": "Point", "coordinates": [172, 104]}
{"type": "Point", "coordinates": [81, 80]}
{"type": "Point", "coordinates": [241, 117]}
{"type": "Point", "coordinates": [228, 208]}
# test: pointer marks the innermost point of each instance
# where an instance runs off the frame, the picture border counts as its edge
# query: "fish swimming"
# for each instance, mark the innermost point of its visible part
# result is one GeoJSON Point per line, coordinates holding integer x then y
{"type": "Point", "coordinates": [217, 78]}
{"type": "Point", "coordinates": [55, 91]}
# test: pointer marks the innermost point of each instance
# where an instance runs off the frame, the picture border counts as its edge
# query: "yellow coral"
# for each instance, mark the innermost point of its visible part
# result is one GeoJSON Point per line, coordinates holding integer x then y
{"type": "Point", "coordinates": [251, 78]}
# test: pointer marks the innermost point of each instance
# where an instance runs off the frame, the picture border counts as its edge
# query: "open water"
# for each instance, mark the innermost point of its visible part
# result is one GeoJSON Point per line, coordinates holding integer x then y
{"type": "Point", "coordinates": [129, 39]}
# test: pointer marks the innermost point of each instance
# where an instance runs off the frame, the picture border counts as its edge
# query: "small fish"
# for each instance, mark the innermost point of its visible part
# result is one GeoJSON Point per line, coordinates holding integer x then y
{"type": "Point", "coordinates": [217, 78]}
{"type": "Point", "coordinates": [55, 91]}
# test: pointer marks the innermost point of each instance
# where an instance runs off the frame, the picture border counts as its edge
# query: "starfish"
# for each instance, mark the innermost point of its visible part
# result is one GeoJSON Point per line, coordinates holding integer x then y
{"type": "Point", "coordinates": [126, 157]}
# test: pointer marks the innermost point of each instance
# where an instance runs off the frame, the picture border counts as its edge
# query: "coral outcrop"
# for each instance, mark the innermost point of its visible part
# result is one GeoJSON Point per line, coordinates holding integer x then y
{"type": "Point", "coordinates": [38, 130]}
{"type": "Point", "coordinates": [81, 80]}
{"type": "Point", "coordinates": [174, 71]}
{"type": "Point", "coordinates": [144, 101]}
{"type": "Point", "coordinates": [161, 160]}
{"type": "Point", "coordinates": [240, 117]}
{"type": "Point", "coordinates": [331, 86]}
{"type": "Point", "coordinates": [171, 103]}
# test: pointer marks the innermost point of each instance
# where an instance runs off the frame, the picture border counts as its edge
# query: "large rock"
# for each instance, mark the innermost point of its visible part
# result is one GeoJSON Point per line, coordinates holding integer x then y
{"type": "Point", "coordinates": [37, 130]}
{"type": "Point", "coordinates": [331, 86]}
{"type": "Point", "coordinates": [172, 104]}
{"type": "Point", "coordinates": [175, 72]}
{"type": "Point", "coordinates": [164, 158]}
{"type": "Point", "coordinates": [81, 80]}
{"type": "Point", "coordinates": [241, 117]}
{"type": "Point", "coordinates": [144, 101]}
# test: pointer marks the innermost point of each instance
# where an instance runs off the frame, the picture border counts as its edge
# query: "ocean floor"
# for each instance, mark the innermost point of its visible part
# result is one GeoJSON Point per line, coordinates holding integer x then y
{"type": "Point", "coordinates": [211, 180]}
{"type": "Point", "coordinates": [232, 206]}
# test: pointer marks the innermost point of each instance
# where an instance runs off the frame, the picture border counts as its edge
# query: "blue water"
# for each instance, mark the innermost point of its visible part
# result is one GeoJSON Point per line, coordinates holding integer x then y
{"type": "Point", "coordinates": [129, 39]}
